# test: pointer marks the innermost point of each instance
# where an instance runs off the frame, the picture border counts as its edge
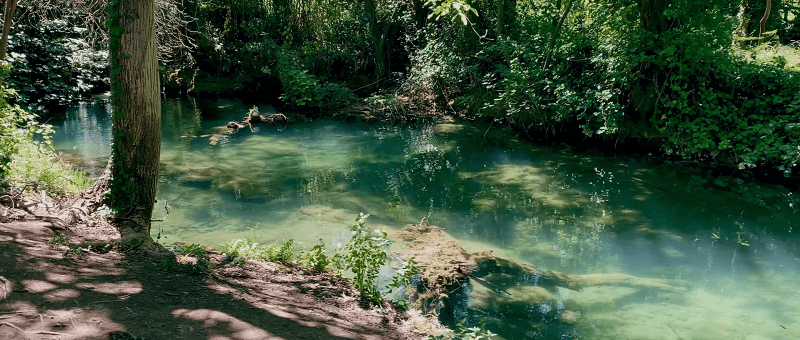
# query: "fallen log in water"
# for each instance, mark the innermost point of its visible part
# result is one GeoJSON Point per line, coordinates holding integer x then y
{"type": "Point", "coordinates": [253, 117]}
{"type": "Point", "coordinates": [446, 268]}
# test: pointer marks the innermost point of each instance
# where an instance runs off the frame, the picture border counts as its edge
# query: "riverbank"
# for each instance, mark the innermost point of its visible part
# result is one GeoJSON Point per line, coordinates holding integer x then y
{"type": "Point", "coordinates": [62, 287]}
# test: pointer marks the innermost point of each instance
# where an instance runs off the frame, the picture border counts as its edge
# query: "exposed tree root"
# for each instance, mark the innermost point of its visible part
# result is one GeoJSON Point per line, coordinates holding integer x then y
{"type": "Point", "coordinates": [61, 214]}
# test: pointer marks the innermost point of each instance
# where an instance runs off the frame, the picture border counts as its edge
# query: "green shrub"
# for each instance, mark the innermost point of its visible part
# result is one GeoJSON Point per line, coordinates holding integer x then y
{"type": "Point", "coordinates": [301, 89]}
{"type": "Point", "coordinates": [249, 249]}
{"type": "Point", "coordinates": [316, 258]}
{"type": "Point", "coordinates": [36, 163]}
{"type": "Point", "coordinates": [58, 239]}
{"type": "Point", "coordinates": [193, 250]}
{"type": "Point", "coordinates": [26, 155]}
{"type": "Point", "coordinates": [365, 254]}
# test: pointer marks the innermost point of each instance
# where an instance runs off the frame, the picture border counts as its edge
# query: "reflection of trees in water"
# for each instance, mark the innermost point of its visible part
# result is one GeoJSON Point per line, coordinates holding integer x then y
{"type": "Point", "coordinates": [183, 120]}
{"type": "Point", "coordinates": [315, 183]}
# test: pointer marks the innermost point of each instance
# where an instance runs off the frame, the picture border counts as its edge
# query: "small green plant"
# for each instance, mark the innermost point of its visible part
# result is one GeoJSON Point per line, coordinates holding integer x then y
{"type": "Point", "coordinates": [316, 258]}
{"type": "Point", "coordinates": [132, 243]}
{"type": "Point", "coordinates": [193, 250]}
{"type": "Point", "coordinates": [169, 261]}
{"type": "Point", "coordinates": [365, 255]}
{"type": "Point", "coordinates": [100, 214]}
{"type": "Point", "coordinates": [463, 333]}
{"type": "Point", "coordinates": [249, 249]}
{"type": "Point", "coordinates": [191, 258]}
{"type": "Point", "coordinates": [281, 252]}
{"type": "Point", "coordinates": [404, 274]}
{"type": "Point", "coordinates": [57, 239]}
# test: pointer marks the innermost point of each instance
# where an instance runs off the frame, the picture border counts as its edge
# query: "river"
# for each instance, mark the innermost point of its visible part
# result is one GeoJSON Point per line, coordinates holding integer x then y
{"type": "Point", "coordinates": [734, 241]}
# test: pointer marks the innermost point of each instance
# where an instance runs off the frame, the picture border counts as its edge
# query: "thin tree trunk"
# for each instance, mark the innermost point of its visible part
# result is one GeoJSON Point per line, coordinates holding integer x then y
{"type": "Point", "coordinates": [8, 17]}
{"type": "Point", "coordinates": [501, 13]}
{"type": "Point", "coordinates": [763, 26]}
{"type": "Point", "coordinates": [420, 13]}
{"type": "Point", "coordinates": [137, 120]}
{"type": "Point", "coordinates": [557, 32]}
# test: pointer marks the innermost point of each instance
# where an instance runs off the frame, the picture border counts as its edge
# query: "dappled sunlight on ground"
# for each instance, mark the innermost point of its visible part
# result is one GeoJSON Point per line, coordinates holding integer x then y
{"type": "Point", "coordinates": [57, 293]}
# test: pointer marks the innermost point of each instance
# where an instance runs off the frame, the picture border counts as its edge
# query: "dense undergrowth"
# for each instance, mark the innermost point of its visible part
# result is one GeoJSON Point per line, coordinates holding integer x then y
{"type": "Point", "coordinates": [690, 81]}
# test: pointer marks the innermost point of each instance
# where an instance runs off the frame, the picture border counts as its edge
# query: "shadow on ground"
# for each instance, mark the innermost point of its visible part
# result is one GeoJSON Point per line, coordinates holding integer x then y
{"type": "Point", "coordinates": [59, 295]}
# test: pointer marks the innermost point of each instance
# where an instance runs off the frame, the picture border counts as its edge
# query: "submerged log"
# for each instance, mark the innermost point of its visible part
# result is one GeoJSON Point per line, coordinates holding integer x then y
{"type": "Point", "coordinates": [446, 268]}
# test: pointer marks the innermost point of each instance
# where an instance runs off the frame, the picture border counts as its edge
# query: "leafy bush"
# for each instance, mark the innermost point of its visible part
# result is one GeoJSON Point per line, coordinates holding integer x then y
{"type": "Point", "coordinates": [365, 254]}
{"type": "Point", "coordinates": [193, 250]}
{"type": "Point", "coordinates": [26, 155]}
{"type": "Point", "coordinates": [248, 248]}
{"type": "Point", "coordinates": [316, 258]}
{"type": "Point", "coordinates": [15, 124]}
{"type": "Point", "coordinates": [35, 165]}
{"type": "Point", "coordinates": [303, 89]}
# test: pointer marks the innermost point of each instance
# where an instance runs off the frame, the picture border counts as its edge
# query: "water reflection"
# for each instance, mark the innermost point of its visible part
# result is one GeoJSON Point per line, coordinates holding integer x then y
{"type": "Point", "coordinates": [573, 212]}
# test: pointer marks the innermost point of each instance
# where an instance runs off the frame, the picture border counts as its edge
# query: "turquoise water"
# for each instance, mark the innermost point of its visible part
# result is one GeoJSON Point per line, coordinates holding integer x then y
{"type": "Point", "coordinates": [734, 241]}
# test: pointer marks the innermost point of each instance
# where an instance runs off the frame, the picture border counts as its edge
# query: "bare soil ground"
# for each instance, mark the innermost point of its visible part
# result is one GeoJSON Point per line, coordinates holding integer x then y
{"type": "Point", "coordinates": [49, 292]}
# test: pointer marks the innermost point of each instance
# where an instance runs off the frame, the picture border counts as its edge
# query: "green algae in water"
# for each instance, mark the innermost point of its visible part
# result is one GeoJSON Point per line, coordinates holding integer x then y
{"type": "Point", "coordinates": [553, 207]}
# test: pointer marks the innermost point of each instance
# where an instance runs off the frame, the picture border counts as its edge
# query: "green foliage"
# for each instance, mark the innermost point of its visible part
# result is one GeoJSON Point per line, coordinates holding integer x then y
{"type": "Point", "coordinates": [58, 239]}
{"type": "Point", "coordinates": [455, 9]}
{"type": "Point", "coordinates": [404, 274]}
{"type": "Point", "coordinates": [316, 258]}
{"type": "Point", "coordinates": [26, 156]}
{"type": "Point", "coordinates": [53, 68]}
{"type": "Point", "coordinates": [16, 125]}
{"type": "Point", "coordinates": [192, 250]}
{"type": "Point", "coordinates": [365, 254]}
{"type": "Point", "coordinates": [249, 249]}
{"type": "Point", "coordinates": [36, 163]}
{"type": "Point", "coordinates": [464, 333]}
{"type": "Point", "coordinates": [301, 89]}
{"type": "Point", "coordinates": [100, 214]}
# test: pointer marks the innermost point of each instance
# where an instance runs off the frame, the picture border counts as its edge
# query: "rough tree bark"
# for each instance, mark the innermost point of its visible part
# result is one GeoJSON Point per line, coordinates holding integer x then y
{"type": "Point", "coordinates": [8, 16]}
{"type": "Point", "coordinates": [137, 120]}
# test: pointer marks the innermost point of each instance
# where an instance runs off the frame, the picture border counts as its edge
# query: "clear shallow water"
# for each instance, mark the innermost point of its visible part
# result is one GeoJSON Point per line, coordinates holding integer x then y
{"type": "Point", "coordinates": [736, 243]}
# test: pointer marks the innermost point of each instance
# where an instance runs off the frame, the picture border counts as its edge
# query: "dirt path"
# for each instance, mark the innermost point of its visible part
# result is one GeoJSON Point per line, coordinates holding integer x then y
{"type": "Point", "coordinates": [126, 295]}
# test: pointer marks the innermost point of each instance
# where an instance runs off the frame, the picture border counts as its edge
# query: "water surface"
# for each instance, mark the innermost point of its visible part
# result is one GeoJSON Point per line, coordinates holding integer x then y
{"type": "Point", "coordinates": [735, 241]}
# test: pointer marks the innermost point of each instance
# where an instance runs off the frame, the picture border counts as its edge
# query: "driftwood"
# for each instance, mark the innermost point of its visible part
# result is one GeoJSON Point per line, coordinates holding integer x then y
{"type": "Point", "coordinates": [253, 117]}
{"type": "Point", "coordinates": [446, 268]}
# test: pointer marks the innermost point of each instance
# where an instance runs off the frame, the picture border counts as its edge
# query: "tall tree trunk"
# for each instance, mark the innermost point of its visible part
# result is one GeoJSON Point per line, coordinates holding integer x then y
{"type": "Point", "coordinates": [137, 118]}
{"type": "Point", "coordinates": [763, 22]}
{"type": "Point", "coordinates": [8, 17]}
{"type": "Point", "coordinates": [501, 16]}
